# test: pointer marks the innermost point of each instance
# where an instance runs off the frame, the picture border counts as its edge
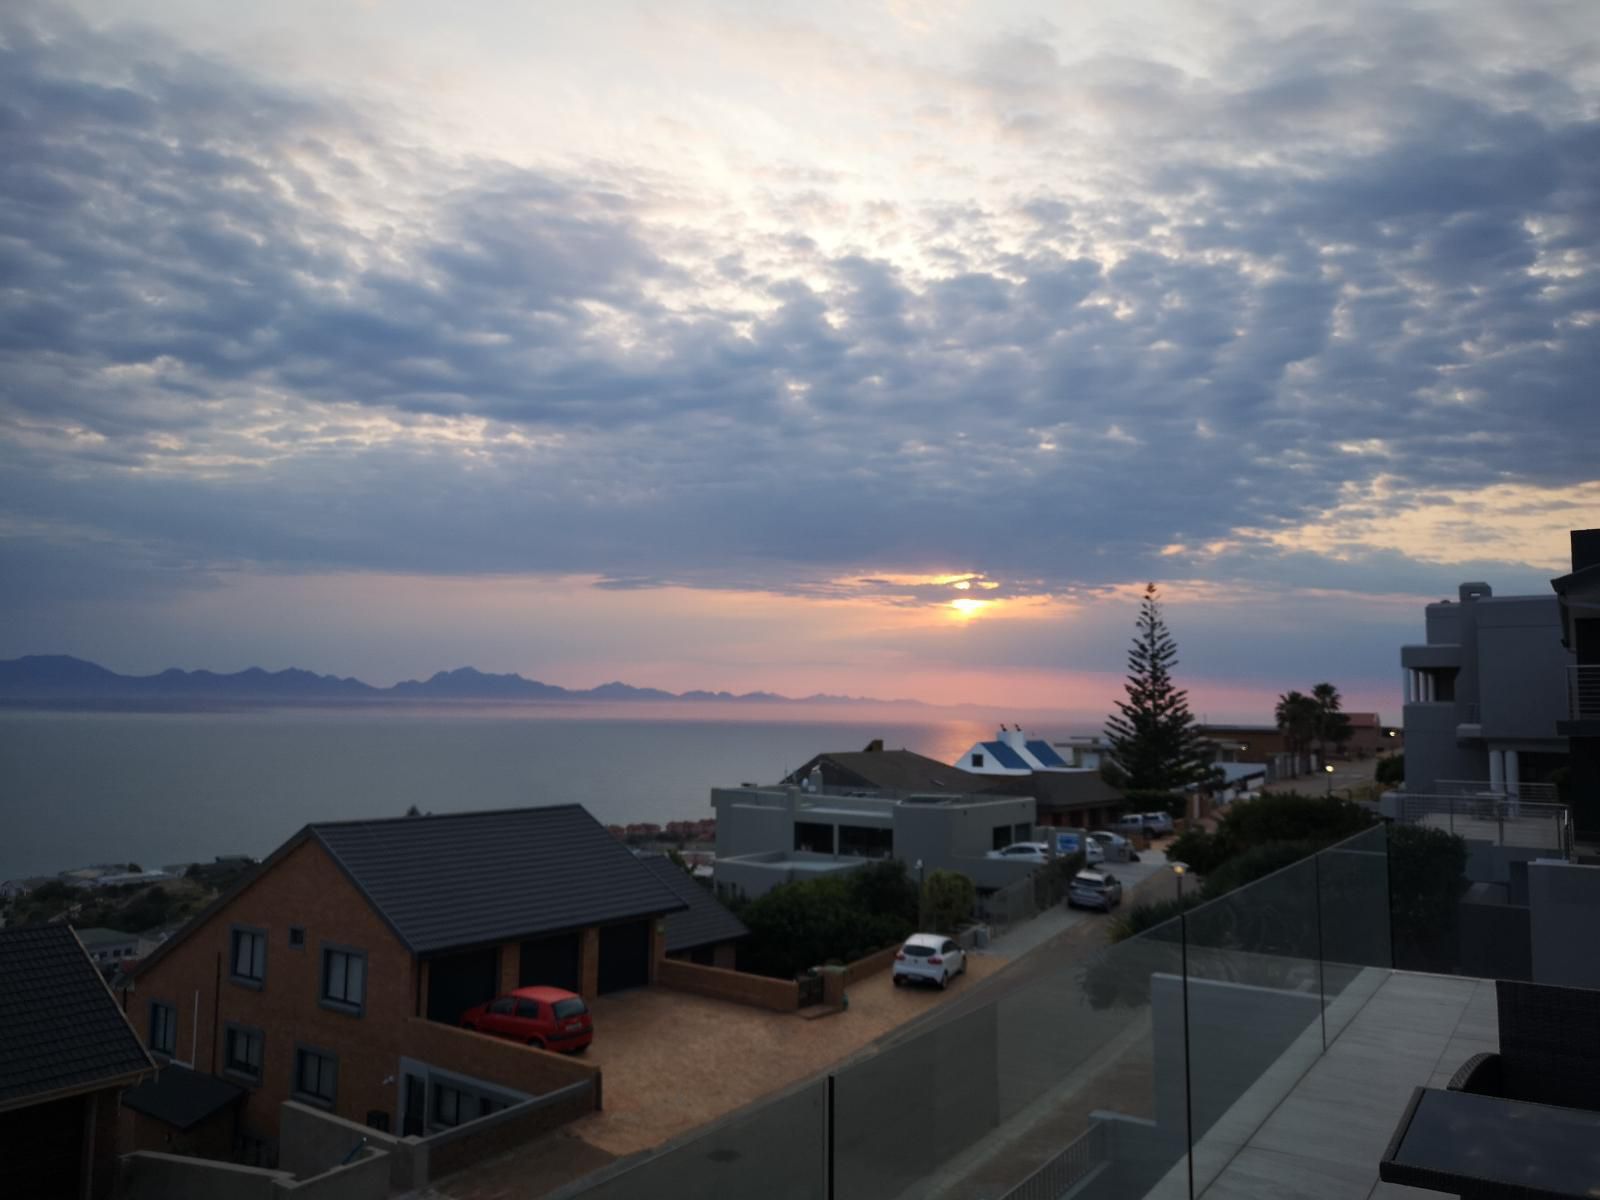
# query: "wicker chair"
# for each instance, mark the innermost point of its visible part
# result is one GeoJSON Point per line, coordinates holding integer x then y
{"type": "Point", "coordinates": [1549, 1048]}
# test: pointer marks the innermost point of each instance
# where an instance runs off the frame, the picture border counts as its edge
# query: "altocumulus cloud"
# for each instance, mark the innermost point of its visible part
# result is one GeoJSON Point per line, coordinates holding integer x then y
{"type": "Point", "coordinates": [246, 324]}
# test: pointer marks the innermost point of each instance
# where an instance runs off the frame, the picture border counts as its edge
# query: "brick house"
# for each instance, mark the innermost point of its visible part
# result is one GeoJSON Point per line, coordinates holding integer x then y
{"type": "Point", "coordinates": [66, 1051]}
{"type": "Point", "coordinates": [319, 977]}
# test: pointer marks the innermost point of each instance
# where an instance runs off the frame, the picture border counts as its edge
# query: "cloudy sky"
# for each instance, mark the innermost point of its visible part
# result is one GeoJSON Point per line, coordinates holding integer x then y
{"type": "Point", "coordinates": [883, 348]}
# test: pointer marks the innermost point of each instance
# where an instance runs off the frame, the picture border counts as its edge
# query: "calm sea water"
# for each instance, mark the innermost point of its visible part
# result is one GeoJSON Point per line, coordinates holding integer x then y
{"type": "Point", "coordinates": [167, 788]}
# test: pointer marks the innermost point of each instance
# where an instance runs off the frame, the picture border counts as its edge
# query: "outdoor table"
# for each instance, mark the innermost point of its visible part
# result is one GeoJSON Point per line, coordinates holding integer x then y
{"type": "Point", "coordinates": [1479, 1146]}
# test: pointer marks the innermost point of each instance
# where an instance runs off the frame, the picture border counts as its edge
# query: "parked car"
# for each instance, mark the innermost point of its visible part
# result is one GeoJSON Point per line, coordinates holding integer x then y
{"type": "Point", "coordinates": [1130, 823]}
{"type": "Point", "coordinates": [546, 1017]}
{"type": "Point", "coordinates": [1094, 889]}
{"type": "Point", "coordinates": [1158, 824]}
{"type": "Point", "coordinates": [1114, 847]}
{"type": "Point", "coordinates": [929, 958]}
{"type": "Point", "coordinates": [1037, 852]}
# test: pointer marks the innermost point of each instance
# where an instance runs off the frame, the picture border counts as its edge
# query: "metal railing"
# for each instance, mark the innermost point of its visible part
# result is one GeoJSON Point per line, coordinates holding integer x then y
{"type": "Point", "coordinates": [1051, 1181]}
{"type": "Point", "coordinates": [1583, 693]}
{"type": "Point", "coordinates": [1494, 818]}
{"type": "Point", "coordinates": [1543, 793]}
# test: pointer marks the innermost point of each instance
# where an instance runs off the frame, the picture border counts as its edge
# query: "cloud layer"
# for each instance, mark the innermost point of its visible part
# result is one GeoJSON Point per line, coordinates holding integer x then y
{"type": "Point", "coordinates": [1067, 317]}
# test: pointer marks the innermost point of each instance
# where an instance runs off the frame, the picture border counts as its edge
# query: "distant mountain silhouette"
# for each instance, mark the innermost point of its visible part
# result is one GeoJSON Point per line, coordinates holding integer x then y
{"type": "Point", "coordinates": [60, 678]}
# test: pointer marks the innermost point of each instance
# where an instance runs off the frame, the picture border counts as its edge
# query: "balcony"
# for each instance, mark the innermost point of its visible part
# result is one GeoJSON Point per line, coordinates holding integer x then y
{"type": "Point", "coordinates": [1583, 693]}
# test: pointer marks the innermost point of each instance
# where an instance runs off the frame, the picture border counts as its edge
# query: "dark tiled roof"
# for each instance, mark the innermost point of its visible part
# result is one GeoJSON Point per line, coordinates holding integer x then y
{"type": "Point", "coordinates": [60, 1029]}
{"type": "Point", "coordinates": [182, 1098]}
{"type": "Point", "coordinates": [1060, 789]}
{"type": "Point", "coordinates": [467, 879]}
{"type": "Point", "coordinates": [706, 922]}
{"type": "Point", "coordinates": [894, 770]}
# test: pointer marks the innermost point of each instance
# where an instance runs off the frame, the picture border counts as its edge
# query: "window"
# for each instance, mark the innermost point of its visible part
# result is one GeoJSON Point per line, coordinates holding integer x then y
{"type": "Point", "coordinates": [813, 836]}
{"type": "Point", "coordinates": [865, 841]}
{"type": "Point", "coordinates": [297, 937]}
{"type": "Point", "coordinates": [529, 1009]}
{"type": "Point", "coordinates": [344, 978]}
{"type": "Point", "coordinates": [448, 1105]}
{"type": "Point", "coordinates": [163, 1028]}
{"type": "Point", "coordinates": [1021, 833]}
{"type": "Point", "coordinates": [316, 1076]}
{"type": "Point", "coordinates": [1001, 837]}
{"type": "Point", "coordinates": [503, 1006]}
{"type": "Point", "coordinates": [247, 956]}
{"type": "Point", "coordinates": [241, 1052]}
{"type": "Point", "coordinates": [977, 760]}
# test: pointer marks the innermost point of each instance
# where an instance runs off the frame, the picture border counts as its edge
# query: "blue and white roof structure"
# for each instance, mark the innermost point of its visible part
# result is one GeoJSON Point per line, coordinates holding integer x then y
{"type": "Point", "coordinates": [1011, 752]}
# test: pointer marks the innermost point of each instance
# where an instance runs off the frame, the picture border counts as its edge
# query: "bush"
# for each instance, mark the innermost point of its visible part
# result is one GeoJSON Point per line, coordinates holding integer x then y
{"type": "Point", "coordinates": [949, 897]}
{"type": "Point", "coordinates": [1255, 863]}
{"type": "Point", "coordinates": [1171, 803]}
{"type": "Point", "coordinates": [834, 918]}
{"type": "Point", "coordinates": [1197, 848]}
{"type": "Point", "coordinates": [1391, 770]}
{"type": "Point", "coordinates": [1427, 874]}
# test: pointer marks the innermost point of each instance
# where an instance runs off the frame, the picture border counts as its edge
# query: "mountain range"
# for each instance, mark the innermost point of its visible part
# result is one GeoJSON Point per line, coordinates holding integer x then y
{"type": "Point", "coordinates": [60, 678]}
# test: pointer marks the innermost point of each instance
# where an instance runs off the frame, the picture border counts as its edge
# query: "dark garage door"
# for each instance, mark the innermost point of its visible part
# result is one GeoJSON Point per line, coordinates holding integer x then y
{"type": "Point", "coordinates": [624, 956]}
{"type": "Point", "coordinates": [551, 962]}
{"type": "Point", "coordinates": [458, 981]}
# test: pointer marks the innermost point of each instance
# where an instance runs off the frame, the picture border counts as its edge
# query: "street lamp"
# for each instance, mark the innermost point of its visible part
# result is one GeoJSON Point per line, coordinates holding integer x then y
{"type": "Point", "coordinates": [1328, 767]}
{"type": "Point", "coordinates": [922, 894]}
{"type": "Point", "coordinates": [1179, 869]}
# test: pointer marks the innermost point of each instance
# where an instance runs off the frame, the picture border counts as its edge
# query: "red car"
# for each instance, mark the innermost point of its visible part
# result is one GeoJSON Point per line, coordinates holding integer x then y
{"type": "Point", "coordinates": [546, 1017]}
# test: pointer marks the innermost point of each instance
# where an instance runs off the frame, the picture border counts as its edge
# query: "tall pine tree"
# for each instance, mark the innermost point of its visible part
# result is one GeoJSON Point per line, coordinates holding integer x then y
{"type": "Point", "coordinates": [1152, 735]}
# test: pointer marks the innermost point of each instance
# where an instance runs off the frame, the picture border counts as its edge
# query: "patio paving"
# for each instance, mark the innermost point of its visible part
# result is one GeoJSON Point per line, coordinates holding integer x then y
{"type": "Point", "coordinates": [1324, 1138]}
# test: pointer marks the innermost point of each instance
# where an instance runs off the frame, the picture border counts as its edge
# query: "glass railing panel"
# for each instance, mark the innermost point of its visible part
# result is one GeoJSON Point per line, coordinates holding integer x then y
{"type": "Point", "coordinates": [1254, 1008]}
{"type": "Point", "coordinates": [1353, 901]}
{"type": "Point", "coordinates": [1063, 1068]}
{"type": "Point", "coordinates": [775, 1151]}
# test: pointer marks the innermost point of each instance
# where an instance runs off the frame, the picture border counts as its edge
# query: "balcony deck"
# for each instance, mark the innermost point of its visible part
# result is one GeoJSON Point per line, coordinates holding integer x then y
{"type": "Point", "coordinates": [1325, 1136]}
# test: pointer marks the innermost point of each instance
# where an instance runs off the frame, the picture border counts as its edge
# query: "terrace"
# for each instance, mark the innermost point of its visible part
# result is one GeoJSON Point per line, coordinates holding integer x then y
{"type": "Point", "coordinates": [1265, 1043]}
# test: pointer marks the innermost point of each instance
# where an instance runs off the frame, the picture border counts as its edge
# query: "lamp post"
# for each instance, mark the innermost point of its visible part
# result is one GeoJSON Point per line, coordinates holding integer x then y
{"type": "Point", "coordinates": [1328, 768]}
{"type": "Point", "coordinates": [1180, 869]}
{"type": "Point", "coordinates": [922, 894]}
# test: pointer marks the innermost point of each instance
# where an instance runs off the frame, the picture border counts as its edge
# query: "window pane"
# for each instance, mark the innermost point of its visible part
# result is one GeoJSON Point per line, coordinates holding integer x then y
{"type": "Point", "coordinates": [527, 1008]}
{"type": "Point", "coordinates": [355, 983]}
{"type": "Point", "coordinates": [333, 972]}
{"type": "Point", "coordinates": [258, 946]}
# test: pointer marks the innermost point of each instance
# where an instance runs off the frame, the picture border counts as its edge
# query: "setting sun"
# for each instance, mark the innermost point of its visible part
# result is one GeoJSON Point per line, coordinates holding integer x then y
{"type": "Point", "coordinates": [967, 607]}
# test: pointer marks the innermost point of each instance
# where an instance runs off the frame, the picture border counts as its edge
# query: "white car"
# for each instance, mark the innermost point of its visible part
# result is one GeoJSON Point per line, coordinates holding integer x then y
{"type": "Point", "coordinates": [1158, 824]}
{"type": "Point", "coordinates": [1034, 852]}
{"type": "Point", "coordinates": [929, 958]}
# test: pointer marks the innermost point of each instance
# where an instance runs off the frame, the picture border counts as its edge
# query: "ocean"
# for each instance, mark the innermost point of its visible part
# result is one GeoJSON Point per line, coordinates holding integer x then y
{"type": "Point", "coordinates": [163, 788]}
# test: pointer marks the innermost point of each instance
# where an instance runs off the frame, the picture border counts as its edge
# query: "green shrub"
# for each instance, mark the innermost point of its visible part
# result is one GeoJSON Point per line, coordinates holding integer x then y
{"type": "Point", "coordinates": [1197, 848]}
{"type": "Point", "coordinates": [948, 900]}
{"type": "Point", "coordinates": [1427, 874]}
{"type": "Point", "coordinates": [1255, 863]}
{"type": "Point", "coordinates": [1391, 770]}
{"type": "Point", "coordinates": [834, 918]}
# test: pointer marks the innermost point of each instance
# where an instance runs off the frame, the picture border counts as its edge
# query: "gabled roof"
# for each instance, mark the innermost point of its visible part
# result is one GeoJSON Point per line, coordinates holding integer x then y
{"type": "Point", "coordinates": [61, 1031]}
{"type": "Point", "coordinates": [469, 879]}
{"type": "Point", "coordinates": [1007, 757]}
{"type": "Point", "coordinates": [182, 1098]}
{"type": "Point", "coordinates": [705, 922]}
{"type": "Point", "coordinates": [890, 770]}
{"type": "Point", "coordinates": [1046, 754]}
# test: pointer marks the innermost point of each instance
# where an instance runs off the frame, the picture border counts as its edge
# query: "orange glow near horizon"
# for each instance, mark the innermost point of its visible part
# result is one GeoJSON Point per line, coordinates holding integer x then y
{"type": "Point", "coordinates": [966, 608]}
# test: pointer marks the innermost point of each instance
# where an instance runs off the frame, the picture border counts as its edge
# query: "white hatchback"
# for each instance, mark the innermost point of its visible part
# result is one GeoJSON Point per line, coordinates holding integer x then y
{"type": "Point", "coordinates": [929, 958]}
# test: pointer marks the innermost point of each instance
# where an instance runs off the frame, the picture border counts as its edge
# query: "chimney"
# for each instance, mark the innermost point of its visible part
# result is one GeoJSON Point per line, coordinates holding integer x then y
{"type": "Point", "coordinates": [875, 746]}
{"type": "Point", "coordinates": [1585, 548]}
{"type": "Point", "coordinates": [1475, 591]}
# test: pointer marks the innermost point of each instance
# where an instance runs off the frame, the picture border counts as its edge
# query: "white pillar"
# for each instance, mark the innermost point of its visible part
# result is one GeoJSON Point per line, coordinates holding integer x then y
{"type": "Point", "coordinates": [1497, 771]}
{"type": "Point", "coordinates": [1427, 687]}
{"type": "Point", "coordinates": [1411, 686]}
{"type": "Point", "coordinates": [1512, 771]}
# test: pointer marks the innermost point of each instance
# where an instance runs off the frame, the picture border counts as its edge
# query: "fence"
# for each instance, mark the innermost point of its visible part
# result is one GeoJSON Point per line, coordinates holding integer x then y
{"type": "Point", "coordinates": [1493, 818]}
{"type": "Point", "coordinates": [1130, 1056]}
{"type": "Point", "coordinates": [1544, 793]}
{"type": "Point", "coordinates": [1583, 693]}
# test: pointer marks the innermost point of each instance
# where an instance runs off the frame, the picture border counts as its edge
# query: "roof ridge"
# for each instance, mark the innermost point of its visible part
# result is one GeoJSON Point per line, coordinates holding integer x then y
{"type": "Point", "coordinates": [473, 812]}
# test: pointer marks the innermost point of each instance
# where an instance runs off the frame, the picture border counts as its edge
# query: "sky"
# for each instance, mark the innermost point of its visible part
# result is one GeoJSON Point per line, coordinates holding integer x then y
{"type": "Point", "coordinates": [875, 348]}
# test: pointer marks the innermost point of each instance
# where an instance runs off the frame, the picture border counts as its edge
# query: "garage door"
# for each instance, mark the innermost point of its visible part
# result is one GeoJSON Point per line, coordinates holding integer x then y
{"type": "Point", "coordinates": [551, 962]}
{"type": "Point", "coordinates": [458, 981]}
{"type": "Point", "coordinates": [624, 956]}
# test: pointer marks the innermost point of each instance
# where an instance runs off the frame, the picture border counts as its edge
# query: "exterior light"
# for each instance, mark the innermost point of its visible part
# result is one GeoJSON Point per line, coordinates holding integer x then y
{"type": "Point", "coordinates": [1179, 870]}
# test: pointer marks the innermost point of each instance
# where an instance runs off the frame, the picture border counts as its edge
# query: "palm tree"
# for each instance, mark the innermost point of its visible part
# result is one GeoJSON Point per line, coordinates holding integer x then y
{"type": "Point", "coordinates": [1297, 716]}
{"type": "Point", "coordinates": [1332, 724]}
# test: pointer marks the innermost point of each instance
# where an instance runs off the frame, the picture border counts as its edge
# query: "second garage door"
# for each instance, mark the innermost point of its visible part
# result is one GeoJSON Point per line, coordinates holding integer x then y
{"type": "Point", "coordinates": [551, 962]}
{"type": "Point", "coordinates": [624, 956]}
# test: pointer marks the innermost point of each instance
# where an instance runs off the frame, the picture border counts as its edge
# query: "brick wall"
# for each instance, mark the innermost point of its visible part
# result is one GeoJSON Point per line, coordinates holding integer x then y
{"type": "Point", "coordinates": [305, 887]}
{"type": "Point", "coordinates": [870, 965]}
{"type": "Point", "coordinates": [778, 995]}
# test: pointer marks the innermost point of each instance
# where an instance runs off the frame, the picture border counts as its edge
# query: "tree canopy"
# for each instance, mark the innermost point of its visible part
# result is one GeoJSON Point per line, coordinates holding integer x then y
{"type": "Point", "coordinates": [1152, 734]}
